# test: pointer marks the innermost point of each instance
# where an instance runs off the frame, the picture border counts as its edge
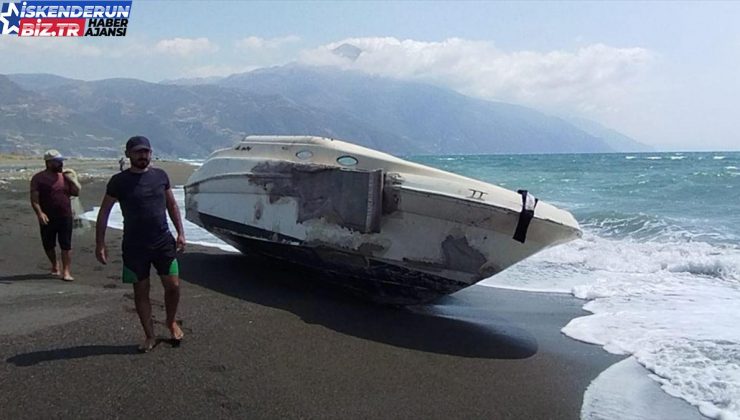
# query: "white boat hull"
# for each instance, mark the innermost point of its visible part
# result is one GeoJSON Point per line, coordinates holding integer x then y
{"type": "Point", "coordinates": [367, 229]}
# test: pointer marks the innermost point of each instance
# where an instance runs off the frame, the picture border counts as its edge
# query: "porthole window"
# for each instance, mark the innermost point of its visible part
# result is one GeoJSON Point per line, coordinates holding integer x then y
{"type": "Point", "coordinates": [347, 160]}
{"type": "Point", "coordinates": [304, 154]}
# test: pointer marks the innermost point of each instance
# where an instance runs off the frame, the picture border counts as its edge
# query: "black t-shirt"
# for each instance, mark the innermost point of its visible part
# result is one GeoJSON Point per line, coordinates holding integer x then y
{"type": "Point", "coordinates": [143, 204]}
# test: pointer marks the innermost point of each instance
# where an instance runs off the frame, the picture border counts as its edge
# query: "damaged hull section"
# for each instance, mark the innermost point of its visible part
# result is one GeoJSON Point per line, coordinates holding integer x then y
{"type": "Point", "coordinates": [389, 230]}
{"type": "Point", "coordinates": [369, 278]}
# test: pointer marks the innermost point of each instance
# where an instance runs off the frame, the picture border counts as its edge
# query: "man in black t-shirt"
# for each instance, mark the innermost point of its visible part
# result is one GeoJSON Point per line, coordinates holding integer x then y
{"type": "Point", "coordinates": [145, 196]}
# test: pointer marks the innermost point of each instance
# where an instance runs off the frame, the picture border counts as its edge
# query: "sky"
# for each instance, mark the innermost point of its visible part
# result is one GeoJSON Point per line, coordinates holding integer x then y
{"type": "Point", "coordinates": [663, 73]}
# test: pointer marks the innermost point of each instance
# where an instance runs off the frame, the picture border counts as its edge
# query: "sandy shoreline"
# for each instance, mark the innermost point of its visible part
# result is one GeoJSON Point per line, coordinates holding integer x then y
{"type": "Point", "coordinates": [15, 168]}
{"type": "Point", "coordinates": [267, 341]}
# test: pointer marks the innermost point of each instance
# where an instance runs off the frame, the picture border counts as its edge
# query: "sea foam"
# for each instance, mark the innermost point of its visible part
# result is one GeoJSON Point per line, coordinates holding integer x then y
{"type": "Point", "coordinates": [671, 305]}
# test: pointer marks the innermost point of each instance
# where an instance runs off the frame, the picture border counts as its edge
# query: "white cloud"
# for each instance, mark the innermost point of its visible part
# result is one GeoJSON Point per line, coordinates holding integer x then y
{"type": "Point", "coordinates": [185, 47]}
{"type": "Point", "coordinates": [101, 58]}
{"type": "Point", "coordinates": [57, 48]}
{"type": "Point", "coordinates": [593, 78]}
{"type": "Point", "coordinates": [256, 43]}
{"type": "Point", "coordinates": [43, 47]}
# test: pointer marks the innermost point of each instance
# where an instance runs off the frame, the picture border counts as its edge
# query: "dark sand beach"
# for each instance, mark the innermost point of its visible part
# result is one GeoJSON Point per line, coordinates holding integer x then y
{"type": "Point", "coordinates": [265, 340]}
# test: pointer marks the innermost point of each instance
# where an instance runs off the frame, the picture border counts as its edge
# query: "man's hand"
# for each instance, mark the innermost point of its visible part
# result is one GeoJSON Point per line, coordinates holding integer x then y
{"type": "Point", "coordinates": [101, 253]}
{"type": "Point", "coordinates": [181, 243]}
{"type": "Point", "coordinates": [43, 219]}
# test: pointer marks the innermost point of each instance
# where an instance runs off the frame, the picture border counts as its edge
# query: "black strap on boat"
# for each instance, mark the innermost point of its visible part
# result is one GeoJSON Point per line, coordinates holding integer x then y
{"type": "Point", "coordinates": [529, 202]}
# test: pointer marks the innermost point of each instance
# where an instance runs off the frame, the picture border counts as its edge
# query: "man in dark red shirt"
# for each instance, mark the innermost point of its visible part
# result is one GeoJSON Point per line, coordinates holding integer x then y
{"type": "Point", "coordinates": [50, 192]}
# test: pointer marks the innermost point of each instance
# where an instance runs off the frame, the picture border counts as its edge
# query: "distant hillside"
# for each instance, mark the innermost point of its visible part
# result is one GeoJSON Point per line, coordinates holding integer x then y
{"type": "Point", "coordinates": [31, 121]}
{"type": "Point", "coordinates": [430, 119]}
{"type": "Point", "coordinates": [613, 138]}
{"type": "Point", "coordinates": [41, 81]}
{"type": "Point", "coordinates": [188, 118]}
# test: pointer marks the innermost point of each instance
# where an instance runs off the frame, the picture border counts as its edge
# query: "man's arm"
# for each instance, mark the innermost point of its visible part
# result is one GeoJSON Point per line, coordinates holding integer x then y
{"type": "Point", "coordinates": [72, 182]}
{"type": "Point", "coordinates": [101, 224]}
{"type": "Point", "coordinates": [43, 218]}
{"type": "Point", "coordinates": [174, 213]}
{"type": "Point", "coordinates": [74, 188]}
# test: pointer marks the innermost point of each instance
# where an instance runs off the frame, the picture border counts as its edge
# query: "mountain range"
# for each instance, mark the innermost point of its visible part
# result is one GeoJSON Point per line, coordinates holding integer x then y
{"type": "Point", "coordinates": [191, 118]}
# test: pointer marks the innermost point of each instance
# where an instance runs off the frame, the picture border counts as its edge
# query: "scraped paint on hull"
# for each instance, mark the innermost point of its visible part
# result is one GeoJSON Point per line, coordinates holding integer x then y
{"type": "Point", "coordinates": [368, 278]}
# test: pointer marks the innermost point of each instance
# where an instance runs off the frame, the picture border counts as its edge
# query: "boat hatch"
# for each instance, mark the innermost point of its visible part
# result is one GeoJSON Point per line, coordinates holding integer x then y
{"type": "Point", "coordinates": [347, 160]}
{"type": "Point", "coordinates": [304, 154]}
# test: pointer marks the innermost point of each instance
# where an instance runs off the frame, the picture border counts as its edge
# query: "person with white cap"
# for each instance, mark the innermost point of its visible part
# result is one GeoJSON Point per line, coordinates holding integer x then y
{"type": "Point", "coordinates": [145, 196]}
{"type": "Point", "coordinates": [50, 199]}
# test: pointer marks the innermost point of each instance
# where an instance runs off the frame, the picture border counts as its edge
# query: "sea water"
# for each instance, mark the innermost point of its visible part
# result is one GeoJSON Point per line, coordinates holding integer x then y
{"type": "Point", "coordinates": [658, 264]}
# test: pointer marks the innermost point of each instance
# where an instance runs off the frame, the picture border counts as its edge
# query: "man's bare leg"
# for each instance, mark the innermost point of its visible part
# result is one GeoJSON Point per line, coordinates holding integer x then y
{"type": "Point", "coordinates": [66, 264]}
{"type": "Point", "coordinates": [52, 255]}
{"type": "Point", "coordinates": [144, 309]}
{"type": "Point", "coordinates": [171, 286]}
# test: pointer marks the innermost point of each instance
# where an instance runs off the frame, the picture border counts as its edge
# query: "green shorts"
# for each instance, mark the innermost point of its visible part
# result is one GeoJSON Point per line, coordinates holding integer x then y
{"type": "Point", "coordinates": [132, 276]}
{"type": "Point", "coordinates": [138, 260]}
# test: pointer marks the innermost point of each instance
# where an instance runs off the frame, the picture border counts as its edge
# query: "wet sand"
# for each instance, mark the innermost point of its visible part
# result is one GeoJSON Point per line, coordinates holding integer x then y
{"type": "Point", "coordinates": [266, 340]}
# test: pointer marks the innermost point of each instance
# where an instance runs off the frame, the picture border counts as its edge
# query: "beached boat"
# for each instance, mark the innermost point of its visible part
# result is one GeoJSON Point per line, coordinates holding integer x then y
{"type": "Point", "coordinates": [390, 230]}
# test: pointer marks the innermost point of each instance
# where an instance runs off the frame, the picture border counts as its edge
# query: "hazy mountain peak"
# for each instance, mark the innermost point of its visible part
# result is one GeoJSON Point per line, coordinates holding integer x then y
{"type": "Point", "coordinates": [348, 51]}
{"type": "Point", "coordinates": [613, 138]}
{"type": "Point", "coordinates": [12, 92]}
{"type": "Point", "coordinates": [40, 81]}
